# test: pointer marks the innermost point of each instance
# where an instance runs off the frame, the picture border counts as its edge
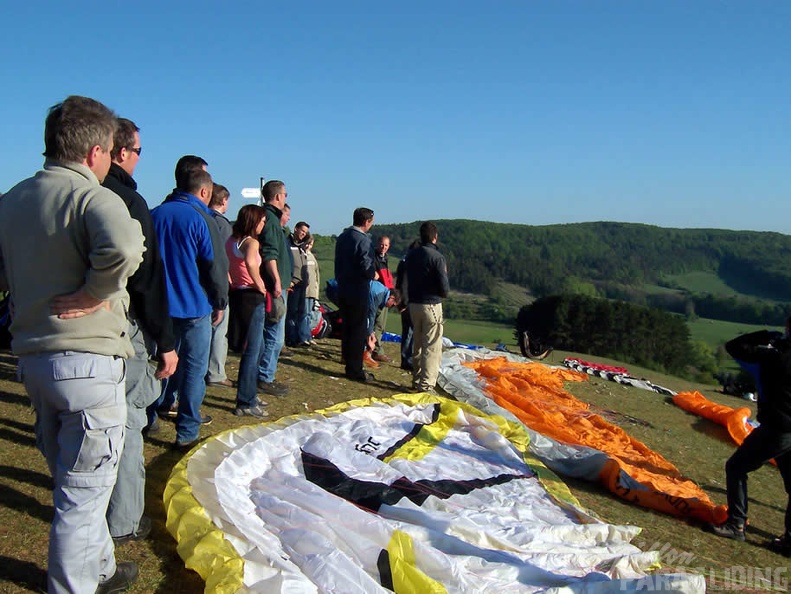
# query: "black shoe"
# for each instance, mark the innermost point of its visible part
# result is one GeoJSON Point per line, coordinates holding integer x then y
{"type": "Point", "coordinates": [781, 545]}
{"type": "Point", "coordinates": [366, 377]}
{"type": "Point", "coordinates": [406, 366]}
{"type": "Point", "coordinates": [727, 530]}
{"type": "Point", "coordinates": [273, 388]}
{"type": "Point", "coordinates": [284, 352]}
{"type": "Point", "coordinates": [123, 578]}
{"type": "Point", "coordinates": [142, 532]}
{"type": "Point", "coordinates": [205, 419]}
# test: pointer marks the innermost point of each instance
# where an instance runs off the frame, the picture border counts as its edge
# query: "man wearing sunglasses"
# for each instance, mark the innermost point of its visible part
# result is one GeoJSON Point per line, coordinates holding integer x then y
{"type": "Point", "coordinates": [151, 332]}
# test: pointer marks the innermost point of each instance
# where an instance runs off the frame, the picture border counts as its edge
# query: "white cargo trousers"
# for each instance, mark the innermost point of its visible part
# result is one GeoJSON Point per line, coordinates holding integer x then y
{"type": "Point", "coordinates": [80, 415]}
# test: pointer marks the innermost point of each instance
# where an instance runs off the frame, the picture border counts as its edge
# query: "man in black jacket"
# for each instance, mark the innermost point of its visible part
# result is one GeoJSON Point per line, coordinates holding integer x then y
{"type": "Point", "coordinates": [767, 356]}
{"type": "Point", "coordinates": [151, 332]}
{"type": "Point", "coordinates": [427, 280]}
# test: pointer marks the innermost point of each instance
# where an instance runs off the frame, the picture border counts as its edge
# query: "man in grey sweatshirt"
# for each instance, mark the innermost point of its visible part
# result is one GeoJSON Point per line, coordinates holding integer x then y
{"type": "Point", "coordinates": [67, 248]}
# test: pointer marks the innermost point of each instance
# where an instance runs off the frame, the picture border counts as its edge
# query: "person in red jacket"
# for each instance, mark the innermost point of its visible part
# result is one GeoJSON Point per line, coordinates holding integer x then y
{"type": "Point", "coordinates": [386, 278]}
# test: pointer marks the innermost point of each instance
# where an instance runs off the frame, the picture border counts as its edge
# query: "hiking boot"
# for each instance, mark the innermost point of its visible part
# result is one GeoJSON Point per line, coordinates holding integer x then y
{"type": "Point", "coordinates": [251, 411]}
{"type": "Point", "coordinates": [142, 532]}
{"type": "Point", "coordinates": [123, 578]}
{"type": "Point", "coordinates": [381, 358]}
{"type": "Point", "coordinates": [727, 530]}
{"type": "Point", "coordinates": [273, 388]}
{"type": "Point", "coordinates": [781, 545]}
{"type": "Point", "coordinates": [368, 360]}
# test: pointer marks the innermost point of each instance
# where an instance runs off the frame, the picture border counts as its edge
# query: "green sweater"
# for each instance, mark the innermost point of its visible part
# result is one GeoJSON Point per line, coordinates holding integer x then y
{"type": "Point", "coordinates": [60, 231]}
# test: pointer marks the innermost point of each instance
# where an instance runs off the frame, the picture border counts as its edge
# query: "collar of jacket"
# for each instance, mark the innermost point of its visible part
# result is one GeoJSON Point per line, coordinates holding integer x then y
{"type": "Point", "coordinates": [122, 176]}
{"type": "Point", "coordinates": [77, 168]}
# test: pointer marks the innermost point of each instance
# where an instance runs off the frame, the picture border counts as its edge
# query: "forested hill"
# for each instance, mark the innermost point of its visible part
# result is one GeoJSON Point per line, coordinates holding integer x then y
{"type": "Point", "coordinates": [610, 259]}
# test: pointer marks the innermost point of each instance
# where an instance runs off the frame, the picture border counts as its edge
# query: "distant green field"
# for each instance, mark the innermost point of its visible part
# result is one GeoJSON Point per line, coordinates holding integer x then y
{"type": "Point", "coordinates": [486, 334]}
{"type": "Point", "coordinates": [717, 332]}
{"type": "Point", "coordinates": [702, 282]}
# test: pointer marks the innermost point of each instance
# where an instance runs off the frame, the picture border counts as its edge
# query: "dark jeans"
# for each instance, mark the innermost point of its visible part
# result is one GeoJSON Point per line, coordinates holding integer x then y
{"type": "Point", "coordinates": [759, 447]}
{"type": "Point", "coordinates": [406, 338]}
{"type": "Point", "coordinates": [354, 333]}
{"type": "Point", "coordinates": [296, 318]}
{"type": "Point", "coordinates": [248, 366]}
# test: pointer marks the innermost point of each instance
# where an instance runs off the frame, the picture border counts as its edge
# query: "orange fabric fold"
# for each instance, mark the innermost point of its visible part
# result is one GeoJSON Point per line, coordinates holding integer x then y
{"type": "Point", "coordinates": [535, 394]}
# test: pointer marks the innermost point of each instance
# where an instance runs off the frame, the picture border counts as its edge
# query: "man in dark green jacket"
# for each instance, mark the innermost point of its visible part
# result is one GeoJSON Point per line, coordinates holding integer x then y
{"type": "Point", "coordinates": [275, 270]}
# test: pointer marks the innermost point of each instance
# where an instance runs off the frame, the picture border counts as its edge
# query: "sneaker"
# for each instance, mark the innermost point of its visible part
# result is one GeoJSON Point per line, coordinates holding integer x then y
{"type": "Point", "coordinates": [262, 402]}
{"type": "Point", "coordinates": [168, 412]}
{"type": "Point", "coordinates": [123, 578]}
{"type": "Point", "coordinates": [366, 377]}
{"type": "Point", "coordinates": [185, 446]}
{"type": "Point", "coordinates": [302, 345]}
{"type": "Point", "coordinates": [781, 545]}
{"type": "Point", "coordinates": [153, 429]}
{"type": "Point", "coordinates": [205, 419]}
{"type": "Point", "coordinates": [226, 383]}
{"type": "Point", "coordinates": [252, 411]}
{"type": "Point", "coordinates": [727, 530]}
{"type": "Point", "coordinates": [381, 358]}
{"type": "Point", "coordinates": [273, 388]}
{"type": "Point", "coordinates": [368, 360]}
{"type": "Point", "coordinates": [284, 352]}
{"type": "Point", "coordinates": [142, 532]}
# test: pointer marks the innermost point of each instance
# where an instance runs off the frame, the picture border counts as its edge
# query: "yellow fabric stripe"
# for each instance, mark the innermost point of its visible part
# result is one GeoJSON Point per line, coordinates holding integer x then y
{"type": "Point", "coordinates": [407, 578]}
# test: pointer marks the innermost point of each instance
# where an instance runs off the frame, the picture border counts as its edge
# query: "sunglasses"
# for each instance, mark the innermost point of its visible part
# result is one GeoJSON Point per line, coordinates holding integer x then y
{"type": "Point", "coordinates": [137, 150]}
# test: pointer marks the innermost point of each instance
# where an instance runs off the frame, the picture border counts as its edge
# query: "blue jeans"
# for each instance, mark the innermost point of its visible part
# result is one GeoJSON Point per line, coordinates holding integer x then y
{"type": "Point", "coordinates": [406, 339]}
{"type": "Point", "coordinates": [274, 336]}
{"type": "Point", "coordinates": [193, 341]}
{"type": "Point", "coordinates": [248, 367]}
{"type": "Point", "coordinates": [295, 317]}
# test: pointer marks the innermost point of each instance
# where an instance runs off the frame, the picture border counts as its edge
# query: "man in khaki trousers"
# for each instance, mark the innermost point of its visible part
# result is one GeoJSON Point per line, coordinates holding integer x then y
{"type": "Point", "coordinates": [427, 285]}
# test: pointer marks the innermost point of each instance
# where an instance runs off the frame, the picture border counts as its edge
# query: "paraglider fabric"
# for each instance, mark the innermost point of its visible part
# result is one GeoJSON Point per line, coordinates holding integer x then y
{"type": "Point", "coordinates": [534, 394]}
{"type": "Point", "coordinates": [412, 494]}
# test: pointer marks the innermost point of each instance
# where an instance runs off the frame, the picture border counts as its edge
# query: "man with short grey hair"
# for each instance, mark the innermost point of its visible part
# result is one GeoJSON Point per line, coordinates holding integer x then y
{"type": "Point", "coordinates": [67, 249]}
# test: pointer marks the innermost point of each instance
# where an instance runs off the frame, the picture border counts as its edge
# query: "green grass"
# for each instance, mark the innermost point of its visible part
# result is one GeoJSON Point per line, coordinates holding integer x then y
{"type": "Point", "coordinates": [717, 332]}
{"type": "Point", "coordinates": [702, 282]}
{"type": "Point", "coordinates": [696, 447]}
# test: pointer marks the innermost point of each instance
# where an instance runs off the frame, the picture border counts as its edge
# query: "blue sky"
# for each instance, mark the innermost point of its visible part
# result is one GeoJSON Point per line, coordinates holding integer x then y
{"type": "Point", "coordinates": [671, 112]}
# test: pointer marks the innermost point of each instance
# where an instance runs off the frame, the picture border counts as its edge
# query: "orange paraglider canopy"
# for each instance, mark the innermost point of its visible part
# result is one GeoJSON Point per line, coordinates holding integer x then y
{"type": "Point", "coordinates": [534, 393]}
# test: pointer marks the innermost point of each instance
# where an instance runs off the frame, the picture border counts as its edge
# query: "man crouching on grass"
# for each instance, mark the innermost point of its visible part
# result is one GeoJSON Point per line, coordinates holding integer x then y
{"type": "Point", "coordinates": [767, 356]}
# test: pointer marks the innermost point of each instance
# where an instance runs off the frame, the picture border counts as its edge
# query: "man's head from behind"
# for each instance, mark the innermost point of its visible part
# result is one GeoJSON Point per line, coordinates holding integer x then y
{"type": "Point", "coordinates": [80, 130]}
{"type": "Point", "coordinates": [126, 145]}
{"type": "Point", "coordinates": [363, 218]}
{"type": "Point", "coordinates": [198, 183]}
{"type": "Point", "coordinates": [219, 198]}
{"type": "Point", "coordinates": [186, 164]}
{"type": "Point", "coordinates": [428, 232]}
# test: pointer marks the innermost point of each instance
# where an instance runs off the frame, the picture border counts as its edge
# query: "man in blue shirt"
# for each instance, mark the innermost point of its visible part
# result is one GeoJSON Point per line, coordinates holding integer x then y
{"type": "Point", "coordinates": [197, 284]}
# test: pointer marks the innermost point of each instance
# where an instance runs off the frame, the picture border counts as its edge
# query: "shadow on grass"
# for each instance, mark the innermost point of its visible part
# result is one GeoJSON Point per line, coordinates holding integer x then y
{"type": "Point", "coordinates": [171, 566]}
{"type": "Point", "coordinates": [11, 398]}
{"type": "Point", "coordinates": [26, 504]}
{"type": "Point", "coordinates": [18, 438]}
{"type": "Point", "coordinates": [23, 573]}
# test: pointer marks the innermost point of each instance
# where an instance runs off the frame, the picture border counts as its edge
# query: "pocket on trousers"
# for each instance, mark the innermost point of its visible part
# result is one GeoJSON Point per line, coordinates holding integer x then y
{"type": "Point", "coordinates": [101, 439]}
{"type": "Point", "coordinates": [68, 369]}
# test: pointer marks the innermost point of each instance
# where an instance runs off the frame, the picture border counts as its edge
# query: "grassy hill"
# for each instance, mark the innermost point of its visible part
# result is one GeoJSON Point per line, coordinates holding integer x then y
{"type": "Point", "coordinates": [696, 447]}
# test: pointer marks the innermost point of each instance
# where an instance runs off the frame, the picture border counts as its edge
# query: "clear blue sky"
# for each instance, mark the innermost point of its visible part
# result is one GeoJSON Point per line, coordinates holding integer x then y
{"type": "Point", "coordinates": [672, 112]}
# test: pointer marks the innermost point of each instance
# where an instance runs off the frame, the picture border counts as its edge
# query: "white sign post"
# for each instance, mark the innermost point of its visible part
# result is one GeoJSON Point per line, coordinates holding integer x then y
{"type": "Point", "coordinates": [251, 193]}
